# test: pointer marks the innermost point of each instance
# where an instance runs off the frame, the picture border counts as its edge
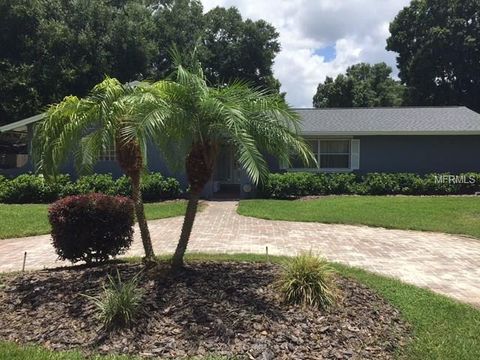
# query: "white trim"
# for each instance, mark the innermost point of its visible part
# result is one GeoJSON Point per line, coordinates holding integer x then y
{"type": "Point", "coordinates": [382, 133]}
{"type": "Point", "coordinates": [21, 123]}
{"type": "Point", "coordinates": [355, 154]}
{"type": "Point", "coordinates": [318, 153]}
{"type": "Point", "coordinates": [318, 170]}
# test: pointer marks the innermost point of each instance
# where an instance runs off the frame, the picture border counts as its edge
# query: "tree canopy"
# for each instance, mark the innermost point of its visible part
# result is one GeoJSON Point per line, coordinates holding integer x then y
{"type": "Point", "coordinates": [438, 44]}
{"type": "Point", "coordinates": [363, 85]}
{"type": "Point", "coordinates": [54, 48]}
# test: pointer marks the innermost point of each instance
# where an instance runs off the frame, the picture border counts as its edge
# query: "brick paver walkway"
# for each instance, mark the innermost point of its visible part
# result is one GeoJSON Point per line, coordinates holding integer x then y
{"type": "Point", "coordinates": [447, 264]}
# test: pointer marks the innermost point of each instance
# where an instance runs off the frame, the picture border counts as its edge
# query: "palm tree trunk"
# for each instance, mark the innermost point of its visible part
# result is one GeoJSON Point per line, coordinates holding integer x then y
{"type": "Point", "coordinates": [199, 166]}
{"type": "Point", "coordinates": [142, 221]}
{"type": "Point", "coordinates": [177, 260]}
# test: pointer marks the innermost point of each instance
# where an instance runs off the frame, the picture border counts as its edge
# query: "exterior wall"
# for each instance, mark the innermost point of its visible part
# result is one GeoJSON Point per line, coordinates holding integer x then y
{"type": "Point", "coordinates": [415, 154]}
{"type": "Point", "coordinates": [155, 164]}
{"type": "Point", "coordinates": [419, 154]}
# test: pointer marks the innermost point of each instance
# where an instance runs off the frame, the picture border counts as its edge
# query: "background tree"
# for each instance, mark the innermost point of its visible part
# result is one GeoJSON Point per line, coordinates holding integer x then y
{"type": "Point", "coordinates": [89, 126]}
{"type": "Point", "coordinates": [438, 44]}
{"type": "Point", "coordinates": [252, 121]}
{"type": "Point", "coordinates": [179, 23]}
{"type": "Point", "coordinates": [237, 49]}
{"type": "Point", "coordinates": [363, 85]}
{"type": "Point", "coordinates": [54, 48]}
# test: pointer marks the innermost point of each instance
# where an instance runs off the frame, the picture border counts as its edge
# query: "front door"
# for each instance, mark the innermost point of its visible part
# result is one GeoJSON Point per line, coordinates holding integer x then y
{"type": "Point", "coordinates": [228, 170]}
{"type": "Point", "coordinates": [227, 174]}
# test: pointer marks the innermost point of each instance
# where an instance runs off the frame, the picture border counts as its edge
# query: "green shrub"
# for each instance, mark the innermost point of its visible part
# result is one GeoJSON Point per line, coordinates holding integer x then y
{"type": "Point", "coordinates": [123, 186]}
{"type": "Point", "coordinates": [341, 183]}
{"type": "Point", "coordinates": [155, 188]}
{"type": "Point", "coordinates": [294, 185]}
{"type": "Point", "coordinates": [119, 302]}
{"type": "Point", "coordinates": [91, 227]}
{"type": "Point", "coordinates": [471, 185]}
{"type": "Point", "coordinates": [390, 184]}
{"type": "Point", "coordinates": [28, 188]}
{"type": "Point", "coordinates": [96, 183]}
{"type": "Point", "coordinates": [309, 281]}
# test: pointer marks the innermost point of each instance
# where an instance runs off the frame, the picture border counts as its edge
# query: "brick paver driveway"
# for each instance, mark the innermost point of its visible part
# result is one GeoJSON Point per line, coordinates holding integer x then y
{"type": "Point", "coordinates": [447, 264]}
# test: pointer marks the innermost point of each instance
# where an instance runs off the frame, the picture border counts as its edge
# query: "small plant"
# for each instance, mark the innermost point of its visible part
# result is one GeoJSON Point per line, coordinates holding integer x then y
{"type": "Point", "coordinates": [308, 280]}
{"type": "Point", "coordinates": [119, 302]}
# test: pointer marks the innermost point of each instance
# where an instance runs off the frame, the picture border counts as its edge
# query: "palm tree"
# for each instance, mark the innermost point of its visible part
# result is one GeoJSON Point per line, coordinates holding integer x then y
{"type": "Point", "coordinates": [251, 120]}
{"type": "Point", "coordinates": [87, 127]}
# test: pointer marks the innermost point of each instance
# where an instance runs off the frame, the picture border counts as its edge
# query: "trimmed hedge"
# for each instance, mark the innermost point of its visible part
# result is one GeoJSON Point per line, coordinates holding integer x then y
{"type": "Point", "coordinates": [294, 185]}
{"type": "Point", "coordinates": [30, 188]}
{"type": "Point", "coordinates": [91, 227]}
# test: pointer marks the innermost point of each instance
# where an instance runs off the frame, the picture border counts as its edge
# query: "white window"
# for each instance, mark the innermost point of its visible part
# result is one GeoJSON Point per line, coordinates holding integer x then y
{"type": "Point", "coordinates": [108, 154]}
{"type": "Point", "coordinates": [298, 163]}
{"type": "Point", "coordinates": [332, 155]}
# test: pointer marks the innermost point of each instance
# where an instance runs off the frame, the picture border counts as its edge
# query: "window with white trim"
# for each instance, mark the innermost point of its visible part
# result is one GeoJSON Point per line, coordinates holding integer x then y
{"type": "Point", "coordinates": [108, 154]}
{"type": "Point", "coordinates": [331, 155]}
{"type": "Point", "coordinates": [297, 162]}
{"type": "Point", "coordinates": [334, 154]}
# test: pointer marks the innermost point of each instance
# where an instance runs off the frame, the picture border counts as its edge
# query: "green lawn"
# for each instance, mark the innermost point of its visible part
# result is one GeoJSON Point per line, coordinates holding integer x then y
{"type": "Point", "coordinates": [450, 214]}
{"type": "Point", "coordinates": [442, 328]}
{"type": "Point", "coordinates": [15, 352]}
{"type": "Point", "coordinates": [31, 219]}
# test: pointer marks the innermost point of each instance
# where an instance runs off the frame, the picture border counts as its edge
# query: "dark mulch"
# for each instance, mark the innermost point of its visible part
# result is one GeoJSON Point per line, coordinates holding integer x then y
{"type": "Point", "coordinates": [220, 308]}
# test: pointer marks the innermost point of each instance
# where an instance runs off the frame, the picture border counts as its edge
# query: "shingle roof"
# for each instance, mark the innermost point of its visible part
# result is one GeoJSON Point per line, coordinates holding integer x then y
{"type": "Point", "coordinates": [370, 121]}
{"type": "Point", "coordinates": [401, 120]}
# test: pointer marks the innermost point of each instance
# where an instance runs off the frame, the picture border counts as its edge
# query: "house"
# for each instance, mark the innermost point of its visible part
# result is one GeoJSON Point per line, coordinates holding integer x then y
{"type": "Point", "coordinates": [361, 140]}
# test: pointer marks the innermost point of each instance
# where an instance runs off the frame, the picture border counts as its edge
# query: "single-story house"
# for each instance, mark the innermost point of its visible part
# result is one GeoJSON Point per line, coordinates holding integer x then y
{"type": "Point", "coordinates": [361, 140]}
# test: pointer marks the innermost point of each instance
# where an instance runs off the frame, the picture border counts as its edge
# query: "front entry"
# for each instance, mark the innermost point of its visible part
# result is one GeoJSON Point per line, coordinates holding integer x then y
{"type": "Point", "coordinates": [227, 174]}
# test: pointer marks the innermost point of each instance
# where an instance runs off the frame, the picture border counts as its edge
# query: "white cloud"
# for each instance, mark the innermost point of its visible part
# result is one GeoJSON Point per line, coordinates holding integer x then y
{"type": "Point", "coordinates": [356, 28]}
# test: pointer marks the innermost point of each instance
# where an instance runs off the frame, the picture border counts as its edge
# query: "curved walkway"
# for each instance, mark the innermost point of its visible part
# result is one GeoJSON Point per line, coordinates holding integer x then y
{"type": "Point", "coordinates": [448, 264]}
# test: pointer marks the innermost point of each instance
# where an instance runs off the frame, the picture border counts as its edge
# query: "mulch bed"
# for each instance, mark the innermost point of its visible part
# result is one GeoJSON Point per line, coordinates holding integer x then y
{"type": "Point", "coordinates": [228, 309]}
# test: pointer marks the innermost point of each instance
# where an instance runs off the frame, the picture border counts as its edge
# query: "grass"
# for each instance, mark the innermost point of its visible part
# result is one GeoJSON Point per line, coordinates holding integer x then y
{"type": "Point", "coordinates": [449, 214]}
{"type": "Point", "coordinates": [12, 351]}
{"type": "Point", "coordinates": [31, 219]}
{"type": "Point", "coordinates": [442, 328]}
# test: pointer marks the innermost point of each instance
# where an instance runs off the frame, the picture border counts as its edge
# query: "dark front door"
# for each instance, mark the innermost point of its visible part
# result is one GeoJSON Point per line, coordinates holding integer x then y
{"type": "Point", "coordinates": [227, 174]}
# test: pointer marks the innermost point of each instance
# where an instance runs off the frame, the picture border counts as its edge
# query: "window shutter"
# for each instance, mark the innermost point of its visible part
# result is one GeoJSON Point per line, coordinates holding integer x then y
{"type": "Point", "coordinates": [355, 154]}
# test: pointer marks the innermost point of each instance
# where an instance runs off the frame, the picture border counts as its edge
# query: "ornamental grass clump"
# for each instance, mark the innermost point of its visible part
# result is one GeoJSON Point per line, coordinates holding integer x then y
{"type": "Point", "coordinates": [119, 302]}
{"type": "Point", "coordinates": [308, 280]}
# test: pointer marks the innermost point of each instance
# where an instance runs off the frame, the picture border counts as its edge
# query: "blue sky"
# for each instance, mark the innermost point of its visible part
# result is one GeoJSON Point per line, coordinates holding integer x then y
{"type": "Point", "coordinates": [321, 38]}
{"type": "Point", "coordinates": [329, 53]}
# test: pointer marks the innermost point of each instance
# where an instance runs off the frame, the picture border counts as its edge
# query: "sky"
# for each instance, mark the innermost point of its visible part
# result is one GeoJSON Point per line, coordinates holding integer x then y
{"type": "Point", "coordinates": [321, 38]}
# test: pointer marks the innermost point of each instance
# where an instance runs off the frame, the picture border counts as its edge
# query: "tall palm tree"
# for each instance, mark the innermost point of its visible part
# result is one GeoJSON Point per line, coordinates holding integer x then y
{"type": "Point", "coordinates": [86, 127]}
{"type": "Point", "coordinates": [251, 120]}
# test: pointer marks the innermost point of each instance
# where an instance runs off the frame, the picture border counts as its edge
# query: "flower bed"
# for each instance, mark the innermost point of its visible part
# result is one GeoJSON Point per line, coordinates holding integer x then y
{"type": "Point", "coordinates": [229, 309]}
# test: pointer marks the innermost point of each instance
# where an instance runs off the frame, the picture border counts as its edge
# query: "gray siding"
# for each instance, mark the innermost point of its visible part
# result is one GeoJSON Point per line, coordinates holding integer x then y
{"type": "Point", "coordinates": [400, 153]}
{"type": "Point", "coordinates": [155, 164]}
{"type": "Point", "coordinates": [419, 154]}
